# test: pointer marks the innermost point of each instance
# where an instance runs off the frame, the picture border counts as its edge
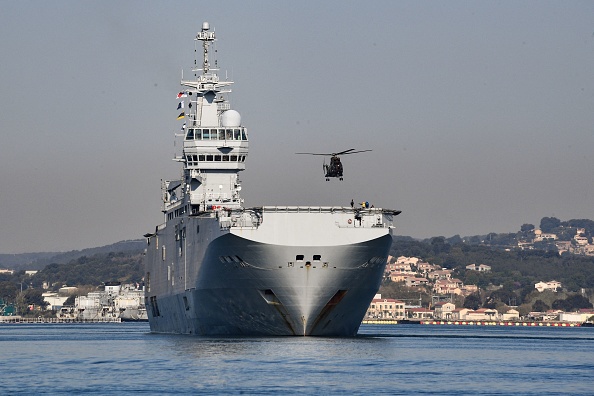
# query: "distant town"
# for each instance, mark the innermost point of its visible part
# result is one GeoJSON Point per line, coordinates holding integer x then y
{"type": "Point", "coordinates": [415, 274]}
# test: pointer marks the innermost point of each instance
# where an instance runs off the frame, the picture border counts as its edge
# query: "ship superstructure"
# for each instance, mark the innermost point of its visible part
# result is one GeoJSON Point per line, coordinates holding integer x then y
{"type": "Point", "coordinates": [215, 267]}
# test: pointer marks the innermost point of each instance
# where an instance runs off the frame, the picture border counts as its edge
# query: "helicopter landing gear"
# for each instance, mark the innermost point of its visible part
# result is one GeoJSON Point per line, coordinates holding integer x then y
{"type": "Point", "coordinates": [327, 179]}
{"type": "Point", "coordinates": [341, 179]}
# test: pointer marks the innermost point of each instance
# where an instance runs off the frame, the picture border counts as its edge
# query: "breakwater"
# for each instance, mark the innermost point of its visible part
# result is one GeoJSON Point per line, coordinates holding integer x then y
{"type": "Point", "coordinates": [476, 323]}
{"type": "Point", "coordinates": [18, 319]}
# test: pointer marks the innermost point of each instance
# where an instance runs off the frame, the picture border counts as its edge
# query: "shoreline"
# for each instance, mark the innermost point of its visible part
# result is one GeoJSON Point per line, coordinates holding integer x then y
{"type": "Point", "coordinates": [507, 323]}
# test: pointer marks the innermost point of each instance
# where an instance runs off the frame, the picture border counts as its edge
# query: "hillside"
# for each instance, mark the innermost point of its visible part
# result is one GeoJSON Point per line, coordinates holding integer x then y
{"type": "Point", "coordinates": [521, 267]}
{"type": "Point", "coordinates": [37, 261]}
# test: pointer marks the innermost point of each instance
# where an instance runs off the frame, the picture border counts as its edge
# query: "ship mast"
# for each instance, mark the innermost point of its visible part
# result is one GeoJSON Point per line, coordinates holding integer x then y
{"type": "Point", "coordinates": [215, 144]}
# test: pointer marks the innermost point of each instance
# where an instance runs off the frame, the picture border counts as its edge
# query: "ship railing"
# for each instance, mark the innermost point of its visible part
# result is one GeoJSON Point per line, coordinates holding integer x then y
{"type": "Point", "coordinates": [307, 209]}
{"type": "Point", "coordinates": [327, 209]}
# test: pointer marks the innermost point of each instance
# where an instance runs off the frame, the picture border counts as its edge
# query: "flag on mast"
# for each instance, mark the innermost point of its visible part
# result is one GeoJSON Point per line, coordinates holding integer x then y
{"type": "Point", "coordinates": [181, 115]}
{"type": "Point", "coordinates": [180, 105]}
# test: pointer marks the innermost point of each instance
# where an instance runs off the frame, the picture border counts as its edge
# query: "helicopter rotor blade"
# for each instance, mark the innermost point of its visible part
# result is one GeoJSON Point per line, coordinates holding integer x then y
{"type": "Point", "coordinates": [349, 151]}
{"type": "Point", "coordinates": [358, 151]}
{"type": "Point", "coordinates": [343, 152]}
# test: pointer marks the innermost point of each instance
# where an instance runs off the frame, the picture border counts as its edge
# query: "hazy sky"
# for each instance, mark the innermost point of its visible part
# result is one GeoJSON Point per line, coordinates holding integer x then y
{"type": "Point", "coordinates": [480, 115]}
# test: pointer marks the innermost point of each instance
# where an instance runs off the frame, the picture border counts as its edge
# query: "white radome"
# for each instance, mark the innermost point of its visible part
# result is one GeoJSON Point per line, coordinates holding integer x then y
{"type": "Point", "coordinates": [231, 118]}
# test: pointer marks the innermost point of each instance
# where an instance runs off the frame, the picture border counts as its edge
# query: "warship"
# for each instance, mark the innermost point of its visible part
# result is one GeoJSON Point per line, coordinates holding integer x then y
{"type": "Point", "coordinates": [215, 267]}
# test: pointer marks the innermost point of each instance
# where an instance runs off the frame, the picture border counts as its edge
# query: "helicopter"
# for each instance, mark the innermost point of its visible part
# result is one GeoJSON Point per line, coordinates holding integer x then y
{"type": "Point", "coordinates": [335, 169]}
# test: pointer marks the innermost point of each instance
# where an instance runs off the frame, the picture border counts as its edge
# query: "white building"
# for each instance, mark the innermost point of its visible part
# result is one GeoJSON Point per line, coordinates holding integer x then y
{"type": "Point", "coordinates": [54, 300]}
{"type": "Point", "coordinates": [552, 285]}
{"type": "Point", "coordinates": [479, 268]}
{"type": "Point", "coordinates": [443, 310]}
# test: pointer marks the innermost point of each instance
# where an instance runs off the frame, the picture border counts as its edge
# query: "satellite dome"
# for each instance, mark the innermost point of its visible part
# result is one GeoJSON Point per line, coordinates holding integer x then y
{"type": "Point", "coordinates": [231, 118]}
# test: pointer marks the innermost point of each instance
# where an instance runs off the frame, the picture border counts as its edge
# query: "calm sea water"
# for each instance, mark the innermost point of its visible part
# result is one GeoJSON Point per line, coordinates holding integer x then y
{"type": "Point", "coordinates": [384, 359]}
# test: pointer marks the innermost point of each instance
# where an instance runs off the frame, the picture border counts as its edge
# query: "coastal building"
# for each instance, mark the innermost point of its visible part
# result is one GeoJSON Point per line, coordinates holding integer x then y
{"type": "Point", "coordinates": [399, 268]}
{"type": "Point", "coordinates": [511, 314]}
{"type": "Point", "coordinates": [413, 281]}
{"type": "Point", "coordinates": [54, 300]}
{"type": "Point", "coordinates": [459, 313]}
{"type": "Point", "coordinates": [580, 240]}
{"type": "Point", "coordinates": [479, 268]}
{"type": "Point", "coordinates": [440, 274]}
{"type": "Point", "coordinates": [419, 313]}
{"type": "Point", "coordinates": [525, 245]}
{"type": "Point", "coordinates": [574, 317]}
{"type": "Point", "coordinates": [552, 285]}
{"type": "Point", "coordinates": [583, 315]}
{"type": "Point", "coordinates": [448, 286]}
{"type": "Point", "coordinates": [68, 290]}
{"type": "Point", "coordinates": [563, 246]}
{"type": "Point", "coordinates": [543, 236]}
{"type": "Point", "coordinates": [482, 314]}
{"type": "Point", "coordinates": [443, 310]}
{"type": "Point", "coordinates": [407, 260]}
{"type": "Point", "coordinates": [385, 308]}
{"type": "Point", "coordinates": [549, 315]}
{"type": "Point", "coordinates": [424, 268]}
{"type": "Point", "coordinates": [468, 289]}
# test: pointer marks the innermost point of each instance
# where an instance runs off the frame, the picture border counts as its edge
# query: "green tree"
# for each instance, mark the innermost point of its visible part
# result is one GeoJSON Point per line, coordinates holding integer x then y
{"type": "Point", "coordinates": [571, 303]}
{"type": "Point", "coordinates": [548, 224]}
{"type": "Point", "coordinates": [8, 291]}
{"type": "Point", "coordinates": [34, 297]}
{"type": "Point", "coordinates": [540, 306]}
{"type": "Point", "coordinates": [504, 295]}
{"type": "Point", "coordinates": [527, 227]}
{"type": "Point", "coordinates": [439, 245]}
{"type": "Point", "coordinates": [472, 301]}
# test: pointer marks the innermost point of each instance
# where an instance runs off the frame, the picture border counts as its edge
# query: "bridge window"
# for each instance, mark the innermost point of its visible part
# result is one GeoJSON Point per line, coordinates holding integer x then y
{"type": "Point", "coordinates": [190, 135]}
{"type": "Point", "coordinates": [299, 257]}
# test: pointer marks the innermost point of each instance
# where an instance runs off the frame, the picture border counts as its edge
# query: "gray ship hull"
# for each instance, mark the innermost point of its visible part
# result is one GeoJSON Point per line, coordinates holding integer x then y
{"type": "Point", "coordinates": [240, 286]}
